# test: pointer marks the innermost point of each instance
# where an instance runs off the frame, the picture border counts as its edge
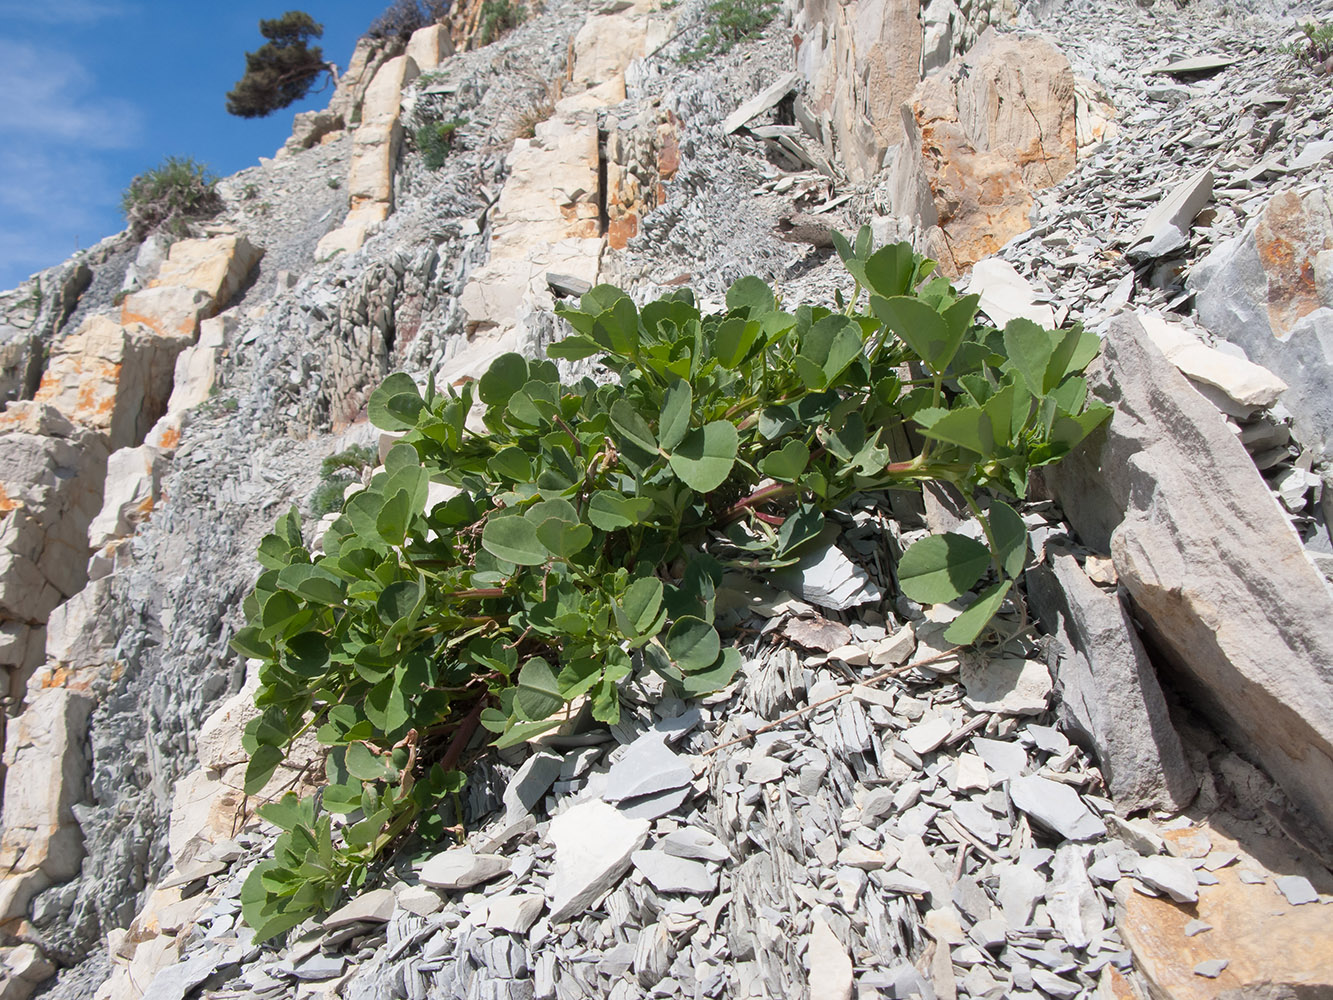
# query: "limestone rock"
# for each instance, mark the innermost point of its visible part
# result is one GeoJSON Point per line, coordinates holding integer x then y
{"type": "Point", "coordinates": [429, 46]}
{"type": "Point", "coordinates": [1270, 291]}
{"type": "Point", "coordinates": [1175, 497]}
{"type": "Point", "coordinates": [114, 378]}
{"type": "Point", "coordinates": [594, 844]}
{"type": "Point", "coordinates": [1271, 948]}
{"type": "Point", "coordinates": [830, 965]}
{"type": "Point", "coordinates": [45, 775]}
{"type": "Point", "coordinates": [1247, 385]}
{"type": "Point", "coordinates": [133, 488]}
{"type": "Point", "coordinates": [861, 61]}
{"type": "Point", "coordinates": [979, 137]}
{"type": "Point", "coordinates": [217, 266]}
{"type": "Point", "coordinates": [1109, 694]}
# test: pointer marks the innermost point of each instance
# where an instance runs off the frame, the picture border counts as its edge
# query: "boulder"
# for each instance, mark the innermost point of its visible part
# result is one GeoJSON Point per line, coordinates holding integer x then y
{"type": "Point", "coordinates": [217, 266]}
{"type": "Point", "coordinates": [45, 776]}
{"type": "Point", "coordinates": [309, 128]}
{"type": "Point", "coordinates": [1110, 700]}
{"type": "Point", "coordinates": [196, 366]}
{"type": "Point", "coordinates": [170, 311]}
{"type": "Point", "coordinates": [429, 46]}
{"type": "Point", "coordinates": [608, 43]}
{"type": "Point", "coordinates": [114, 378]}
{"type": "Point", "coordinates": [1217, 575]}
{"type": "Point", "coordinates": [861, 61]}
{"type": "Point", "coordinates": [979, 137]}
{"type": "Point", "coordinates": [133, 487]}
{"type": "Point", "coordinates": [1270, 291]}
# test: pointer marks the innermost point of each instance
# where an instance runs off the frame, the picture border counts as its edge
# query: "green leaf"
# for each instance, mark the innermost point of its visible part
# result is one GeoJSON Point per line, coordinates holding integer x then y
{"type": "Point", "coordinates": [693, 644]}
{"type": "Point", "coordinates": [514, 539]}
{"type": "Point", "coordinates": [363, 764]}
{"type": "Point", "coordinates": [632, 427]}
{"type": "Point", "coordinates": [786, 464]}
{"type": "Point", "coordinates": [396, 404]}
{"type": "Point", "coordinates": [511, 464]}
{"type": "Point", "coordinates": [1011, 537]}
{"type": "Point", "coordinates": [562, 538]}
{"type": "Point", "coordinates": [399, 601]}
{"type": "Point", "coordinates": [967, 426]}
{"type": "Point", "coordinates": [752, 294]}
{"type": "Point", "coordinates": [1076, 349]}
{"type": "Point", "coordinates": [263, 762]}
{"type": "Point", "coordinates": [503, 378]}
{"type": "Point", "coordinates": [942, 568]}
{"type": "Point", "coordinates": [964, 629]}
{"type": "Point", "coordinates": [639, 612]}
{"type": "Point", "coordinates": [920, 327]}
{"type": "Point", "coordinates": [889, 270]}
{"type": "Point", "coordinates": [714, 678]}
{"type": "Point", "coordinates": [521, 732]}
{"type": "Point", "coordinates": [538, 695]}
{"type": "Point", "coordinates": [733, 340]}
{"type": "Point", "coordinates": [1029, 347]}
{"type": "Point", "coordinates": [704, 459]}
{"type": "Point", "coordinates": [802, 526]}
{"type": "Point", "coordinates": [342, 798]}
{"type": "Point", "coordinates": [392, 521]}
{"type": "Point", "coordinates": [574, 347]}
{"type": "Point", "coordinates": [612, 511]}
{"type": "Point", "coordinates": [676, 411]}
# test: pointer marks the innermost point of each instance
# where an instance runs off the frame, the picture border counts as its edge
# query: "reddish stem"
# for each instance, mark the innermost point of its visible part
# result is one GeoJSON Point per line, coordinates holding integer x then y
{"type": "Point", "coordinates": [764, 495]}
{"type": "Point", "coordinates": [463, 734]}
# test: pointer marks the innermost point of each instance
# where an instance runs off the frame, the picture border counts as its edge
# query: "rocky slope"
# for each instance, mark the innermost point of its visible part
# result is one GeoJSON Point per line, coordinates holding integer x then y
{"type": "Point", "coordinates": [923, 826]}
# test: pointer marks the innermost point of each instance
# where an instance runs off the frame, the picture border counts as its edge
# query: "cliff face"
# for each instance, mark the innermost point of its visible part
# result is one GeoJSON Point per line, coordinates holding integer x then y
{"type": "Point", "coordinates": [152, 438]}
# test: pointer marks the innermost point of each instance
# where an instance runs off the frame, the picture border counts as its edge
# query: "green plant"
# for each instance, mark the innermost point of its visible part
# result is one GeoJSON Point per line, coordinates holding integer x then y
{"type": "Point", "coordinates": [590, 525]}
{"type": "Point", "coordinates": [250, 192]}
{"type": "Point", "coordinates": [282, 70]}
{"type": "Point", "coordinates": [168, 196]}
{"type": "Point", "coordinates": [403, 17]}
{"type": "Point", "coordinates": [335, 473]}
{"type": "Point", "coordinates": [728, 22]}
{"type": "Point", "coordinates": [334, 183]}
{"type": "Point", "coordinates": [229, 405]}
{"type": "Point", "coordinates": [435, 140]}
{"type": "Point", "coordinates": [497, 17]}
{"type": "Point", "coordinates": [1317, 48]}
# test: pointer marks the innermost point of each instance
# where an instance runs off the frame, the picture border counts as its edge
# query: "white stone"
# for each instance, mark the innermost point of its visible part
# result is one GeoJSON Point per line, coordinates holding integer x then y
{"type": "Point", "coordinates": [1008, 685]}
{"type": "Point", "coordinates": [515, 914]}
{"type": "Point", "coordinates": [594, 844]}
{"type": "Point", "coordinates": [669, 873]}
{"type": "Point", "coordinates": [929, 735]}
{"type": "Point", "coordinates": [1171, 876]}
{"type": "Point", "coordinates": [830, 965]}
{"type": "Point", "coordinates": [459, 868]}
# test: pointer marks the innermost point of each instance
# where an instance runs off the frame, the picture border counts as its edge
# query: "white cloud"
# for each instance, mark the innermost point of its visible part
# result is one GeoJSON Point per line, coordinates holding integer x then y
{"type": "Point", "coordinates": [64, 12]}
{"type": "Point", "coordinates": [50, 96]}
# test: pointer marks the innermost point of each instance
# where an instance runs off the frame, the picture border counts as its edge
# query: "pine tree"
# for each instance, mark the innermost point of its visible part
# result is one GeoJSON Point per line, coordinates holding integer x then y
{"type": "Point", "coordinates": [282, 70]}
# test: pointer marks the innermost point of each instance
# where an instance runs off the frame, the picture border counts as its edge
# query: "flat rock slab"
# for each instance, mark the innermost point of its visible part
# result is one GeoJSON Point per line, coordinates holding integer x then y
{"type": "Point", "coordinates": [375, 906]}
{"type": "Point", "coordinates": [1269, 947]}
{"type": "Point", "coordinates": [649, 767]}
{"type": "Point", "coordinates": [594, 843]}
{"type": "Point", "coordinates": [668, 873]}
{"type": "Point", "coordinates": [461, 869]}
{"type": "Point", "coordinates": [1007, 685]}
{"type": "Point", "coordinates": [1056, 807]}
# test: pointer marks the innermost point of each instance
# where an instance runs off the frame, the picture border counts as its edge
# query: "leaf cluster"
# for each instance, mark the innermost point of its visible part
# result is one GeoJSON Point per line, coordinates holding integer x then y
{"type": "Point", "coordinates": [530, 543]}
{"type": "Point", "coordinates": [728, 22]}
{"type": "Point", "coordinates": [281, 71]}
{"type": "Point", "coordinates": [168, 196]}
{"type": "Point", "coordinates": [498, 17]}
{"type": "Point", "coordinates": [435, 141]}
{"type": "Point", "coordinates": [402, 17]}
{"type": "Point", "coordinates": [1316, 49]}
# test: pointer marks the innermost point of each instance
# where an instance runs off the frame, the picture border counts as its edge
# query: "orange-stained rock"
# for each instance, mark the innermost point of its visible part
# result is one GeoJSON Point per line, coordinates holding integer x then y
{"type": "Point", "coordinates": [1273, 949]}
{"type": "Point", "coordinates": [981, 136]}
{"type": "Point", "coordinates": [621, 230]}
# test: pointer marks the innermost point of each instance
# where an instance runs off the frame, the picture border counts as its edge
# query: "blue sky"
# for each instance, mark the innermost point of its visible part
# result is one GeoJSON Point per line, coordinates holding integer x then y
{"type": "Point", "coordinates": [93, 92]}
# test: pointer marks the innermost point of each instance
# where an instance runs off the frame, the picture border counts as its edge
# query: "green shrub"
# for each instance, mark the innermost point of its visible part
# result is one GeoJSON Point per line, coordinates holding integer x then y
{"type": "Point", "coordinates": [593, 522]}
{"type": "Point", "coordinates": [497, 17]}
{"type": "Point", "coordinates": [336, 472]}
{"type": "Point", "coordinates": [1317, 48]}
{"type": "Point", "coordinates": [728, 22]}
{"type": "Point", "coordinates": [167, 197]}
{"type": "Point", "coordinates": [435, 141]}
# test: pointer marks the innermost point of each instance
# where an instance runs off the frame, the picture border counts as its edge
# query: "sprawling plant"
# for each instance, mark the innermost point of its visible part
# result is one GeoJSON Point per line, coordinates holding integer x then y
{"type": "Point", "coordinates": [501, 575]}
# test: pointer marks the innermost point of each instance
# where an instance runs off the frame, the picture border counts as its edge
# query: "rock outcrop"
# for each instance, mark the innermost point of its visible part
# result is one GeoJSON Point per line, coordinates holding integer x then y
{"type": "Point", "coordinates": [1175, 499]}
{"type": "Point", "coordinates": [979, 138]}
{"type": "Point", "coordinates": [1270, 292]}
